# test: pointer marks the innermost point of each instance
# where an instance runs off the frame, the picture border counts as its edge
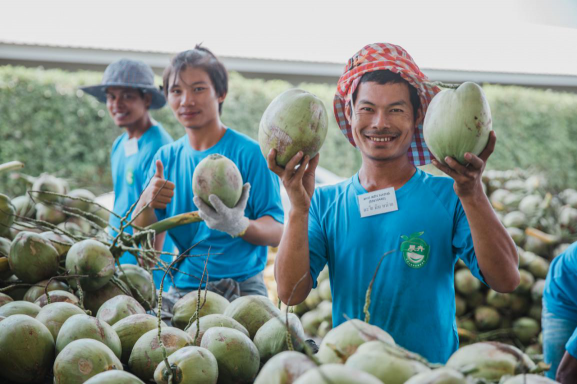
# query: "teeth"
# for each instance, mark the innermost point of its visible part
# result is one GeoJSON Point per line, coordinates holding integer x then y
{"type": "Point", "coordinates": [380, 139]}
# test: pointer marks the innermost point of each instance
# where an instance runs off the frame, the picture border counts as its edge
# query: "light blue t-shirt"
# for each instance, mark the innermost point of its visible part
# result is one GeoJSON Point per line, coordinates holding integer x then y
{"type": "Point", "coordinates": [560, 294]}
{"type": "Point", "coordinates": [129, 171]}
{"type": "Point", "coordinates": [413, 296]}
{"type": "Point", "coordinates": [229, 257]}
{"type": "Point", "coordinates": [571, 346]}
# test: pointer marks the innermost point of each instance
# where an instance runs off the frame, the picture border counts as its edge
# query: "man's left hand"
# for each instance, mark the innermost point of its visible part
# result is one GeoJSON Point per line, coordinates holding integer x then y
{"type": "Point", "coordinates": [468, 183]}
{"type": "Point", "coordinates": [223, 218]}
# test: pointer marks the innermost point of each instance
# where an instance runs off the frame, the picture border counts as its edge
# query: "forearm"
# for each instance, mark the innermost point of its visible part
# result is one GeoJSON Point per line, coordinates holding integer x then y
{"type": "Point", "coordinates": [496, 252]}
{"type": "Point", "coordinates": [567, 371]}
{"type": "Point", "coordinates": [292, 261]}
{"type": "Point", "coordinates": [264, 231]}
{"type": "Point", "coordinates": [144, 218]}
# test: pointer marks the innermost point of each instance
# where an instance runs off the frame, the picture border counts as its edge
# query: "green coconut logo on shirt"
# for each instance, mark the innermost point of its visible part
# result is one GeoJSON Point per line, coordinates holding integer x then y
{"type": "Point", "coordinates": [129, 176]}
{"type": "Point", "coordinates": [415, 250]}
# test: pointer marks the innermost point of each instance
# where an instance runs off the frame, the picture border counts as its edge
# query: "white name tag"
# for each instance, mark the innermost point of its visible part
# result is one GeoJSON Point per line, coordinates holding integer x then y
{"type": "Point", "coordinates": [130, 147]}
{"type": "Point", "coordinates": [377, 202]}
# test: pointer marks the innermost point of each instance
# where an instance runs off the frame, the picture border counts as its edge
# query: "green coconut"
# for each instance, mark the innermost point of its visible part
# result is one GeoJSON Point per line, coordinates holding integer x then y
{"type": "Point", "coordinates": [465, 283]}
{"type": "Point", "coordinates": [490, 360]}
{"type": "Point", "coordinates": [520, 304]}
{"type": "Point", "coordinates": [498, 197]}
{"type": "Point", "coordinates": [529, 379]}
{"type": "Point", "coordinates": [373, 357]}
{"type": "Point", "coordinates": [184, 366]}
{"type": "Point", "coordinates": [26, 349]}
{"type": "Point", "coordinates": [311, 322]}
{"type": "Point", "coordinates": [252, 312]}
{"type": "Point", "coordinates": [92, 258]}
{"type": "Point", "coordinates": [271, 338]}
{"type": "Point", "coordinates": [498, 300]}
{"type": "Point", "coordinates": [57, 297]}
{"type": "Point", "coordinates": [526, 329]}
{"type": "Point", "coordinates": [33, 258]}
{"type": "Point", "coordinates": [36, 291]}
{"type": "Point", "coordinates": [346, 338]}
{"type": "Point", "coordinates": [530, 205]}
{"type": "Point", "coordinates": [84, 225]}
{"type": "Point", "coordinates": [50, 214]}
{"type": "Point", "coordinates": [5, 271]}
{"type": "Point", "coordinates": [185, 308]}
{"type": "Point", "coordinates": [103, 214]}
{"type": "Point", "coordinates": [217, 175]}
{"type": "Point", "coordinates": [62, 243]}
{"type": "Point", "coordinates": [87, 327]}
{"type": "Point", "coordinates": [147, 352]}
{"type": "Point", "coordinates": [54, 315]}
{"type": "Point", "coordinates": [15, 292]}
{"type": "Point", "coordinates": [140, 283]}
{"type": "Point", "coordinates": [325, 290]}
{"type": "Point", "coordinates": [336, 374]}
{"type": "Point", "coordinates": [525, 258]}
{"type": "Point", "coordinates": [536, 311]}
{"type": "Point", "coordinates": [131, 328]}
{"type": "Point", "coordinates": [539, 267]}
{"type": "Point", "coordinates": [237, 356]}
{"type": "Point", "coordinates": [19, 308]}
{"type": "Point", "coordinates": [211, 321]}
{"type": "Point", "coordinates": [441, 375]}
{"type": "Point", "coordinates": [284, 368]}
{"type": "Point", "coordinates": [93, 300]}
{"type": "Point", "coordinates": [73, 200]}
{"type": "Point", "coordinates": [48, 183]}
{"type": "Point", "coordinates": [324, 328]}
{"type": "Point", "coordinates": [536, 245]}
{"type": "Point", "coordinates": [458, 121]}
{"type": "Point", "coordinates": [294, 121]}
{"type": "Point", "coordinates": [526, 282]}
{"type": "Point", "coordinates": [118, 308]}
{"type": "Point", "coordinates": [517, 234]}
{"type": "Point", "coordinates": [7, 212]}
{"type": "Point", "coordinates": [82, 359]}
{"type": "Point", "coordinates": [515, 219]}
{"type": "Point", "coordinates": [313, 299]}
{"type": "Point", "coordinates": [24, 206]}
{"type": "Point", "coordinates": [5, 299]}
{"type": "Point", "coordinates": [537, 290]}
{"type": "Point", "coordinates": [116, 377]}
{"type": "Point", "coordinates": [487, 318]}
{"type": "Point", "coordinates": [71, 228]}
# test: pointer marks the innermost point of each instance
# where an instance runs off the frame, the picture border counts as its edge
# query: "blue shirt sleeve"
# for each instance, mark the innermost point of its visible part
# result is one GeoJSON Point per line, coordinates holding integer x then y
{"type": "Point", "coordinates": [571, 346]}
{"type": "Point", "coordinates": [318, 250]}
{"type": "Point", "coordinates": [463, 242]}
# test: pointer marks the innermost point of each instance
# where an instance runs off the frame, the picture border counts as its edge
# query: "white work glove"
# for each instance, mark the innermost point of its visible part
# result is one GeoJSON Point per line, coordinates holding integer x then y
{"type": "Point", "coordinates": [223, 218]}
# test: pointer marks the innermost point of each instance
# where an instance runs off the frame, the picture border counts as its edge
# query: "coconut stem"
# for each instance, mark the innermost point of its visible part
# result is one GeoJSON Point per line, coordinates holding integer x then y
{"type": "Point", "coordinates": [11, 166]}
{"type": "Point", "coordinates": [175, 221]}
{"type": "Point", "coordinates": [370, 290]}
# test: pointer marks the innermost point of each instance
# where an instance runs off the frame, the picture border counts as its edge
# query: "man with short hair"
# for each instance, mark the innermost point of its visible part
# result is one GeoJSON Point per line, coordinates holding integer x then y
{"type": "Point", "coordinates": [129, 92]}
{"type": "Point", "coordinates": [390, 205]}
{"type": "Point", "coordinates": [232, 241]}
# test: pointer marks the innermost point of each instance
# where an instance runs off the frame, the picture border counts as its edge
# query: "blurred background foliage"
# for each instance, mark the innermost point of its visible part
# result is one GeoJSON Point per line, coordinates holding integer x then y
{"type": "Point", "coordinates": [51, 126]}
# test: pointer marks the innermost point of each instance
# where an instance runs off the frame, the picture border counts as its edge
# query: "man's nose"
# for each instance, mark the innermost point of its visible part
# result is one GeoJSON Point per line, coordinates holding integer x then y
{"type": "Point", "coordinates": [381, 120]}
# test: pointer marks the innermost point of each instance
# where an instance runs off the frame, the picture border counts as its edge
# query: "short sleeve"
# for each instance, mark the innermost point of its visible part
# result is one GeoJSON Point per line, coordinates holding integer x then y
{"type": "Point", "coordinates": [463, 242]}
{"type": "Point", "coordinates": [264, 199]}
{"type": "Point", "coordinates": [571, 346]}
{"type": "Point", "coordinates": [318, 250]}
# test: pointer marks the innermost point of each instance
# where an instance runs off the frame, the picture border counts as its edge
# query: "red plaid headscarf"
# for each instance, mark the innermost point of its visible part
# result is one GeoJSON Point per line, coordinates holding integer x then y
{"type": "Point", "coordinates": [384, 56]}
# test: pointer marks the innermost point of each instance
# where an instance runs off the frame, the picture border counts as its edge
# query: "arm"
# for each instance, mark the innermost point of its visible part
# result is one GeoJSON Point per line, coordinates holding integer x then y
{"type": "Point", "coordinates": [495, 250]}
{"type": "Point", "coordinates": [567, 371]}
{"type": "Point", "coordinates": [263, 231]}
{"type": "Point", "coordinates": [293, 260]}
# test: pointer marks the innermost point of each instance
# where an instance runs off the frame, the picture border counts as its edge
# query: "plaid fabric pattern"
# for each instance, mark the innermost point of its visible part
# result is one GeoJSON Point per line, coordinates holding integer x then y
{"type": "Point", "coordinates": [384, 56]}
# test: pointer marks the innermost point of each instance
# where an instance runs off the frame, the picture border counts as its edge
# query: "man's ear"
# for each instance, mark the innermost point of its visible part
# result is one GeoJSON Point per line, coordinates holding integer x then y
{"type": "Point", "coordinates": [419, 119]}
{"type": "Point", "coordinates": [147, 100]}
{"type": "Point", "coordinates": [348, 111]}
{"type": "Point", "coordinates": [222, 97]}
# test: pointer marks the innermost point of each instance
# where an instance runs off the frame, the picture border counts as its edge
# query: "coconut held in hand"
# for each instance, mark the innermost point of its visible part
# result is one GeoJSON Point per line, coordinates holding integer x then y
{"type": "Point", "coordinates": [458, 121]}
{"type": "Point", "coordinates": [294, 121]}
{"type": "Point", "coordinates": [217, 175]}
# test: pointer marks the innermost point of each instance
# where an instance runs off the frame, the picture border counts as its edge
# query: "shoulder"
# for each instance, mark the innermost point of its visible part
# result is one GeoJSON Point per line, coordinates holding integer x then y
{"type": "Point", "coordinates": [172, 148]}
{"type": "Point", "coordinates": [328, 195]}
{"type": "Point", "coordinates": [117, 141]}
{"type": "Point", "coordinates": [241, 141]}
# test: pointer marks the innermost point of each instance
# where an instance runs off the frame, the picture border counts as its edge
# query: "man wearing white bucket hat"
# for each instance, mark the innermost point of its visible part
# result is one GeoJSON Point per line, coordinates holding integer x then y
{"type": "Point", "coordinates": [390, 205]}
{"type": "Point", "coordinates": [129, 92]}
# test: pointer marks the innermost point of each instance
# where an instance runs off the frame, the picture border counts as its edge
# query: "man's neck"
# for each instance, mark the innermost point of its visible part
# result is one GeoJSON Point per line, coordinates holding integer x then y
{"type": "Point", "coordinates": [376, 175]}
{"type": "Point", "coordinates": [139, 128]}
{"type": "Point", "coordinates": [203, 138]}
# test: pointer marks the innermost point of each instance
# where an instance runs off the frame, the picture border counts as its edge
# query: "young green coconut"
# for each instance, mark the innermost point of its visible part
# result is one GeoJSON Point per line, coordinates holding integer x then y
{"type": "Point", "coordinates": [93, 300]}
{"type": "Point", "coordinates": [92, 258]}
{"type": "Point", "coordinates": [54, 315]}
{"type": "Point", "coordinates": [82, 359]}
{"type": "Point", "coordinates": [57, 297]}
{"type": "Point", "coordinates": [131, 328]}
{"type": "Point", "coordinates": [211, 321]}
{"type": "Point", "coordinates": [237, 356]}
{"type": "Point", "coordinates": [441, 375]}
{"type": "Point", "coordinates": [38, 289]}
{"type": "Point", "coordinates": [5, 299]}
{"type": "Point", "coordinates": [26, 349]}
{"type": "Point", "coordinates": [252, 312]}
{"type": "Point", "coordinates": [118, 308]}
{"type": "Point", "coordinates": [271, 338]}
{"type": "Point", "coordinates": [336, 374]}
{"type": "Point", "coordinates": [33, 258]}
{"type": "Point", "coordinates": [284, 368]}
{"type": "Point", "coordinates": [184, 309]}
{"type": "Point", "coordinates": [184, 366]}
{"type": "Point", "coordinates": [529, 379]}
{"type": "Point", "coordinates": [19, 308]}
{"type": "Point", "coordinates": [78, 327]}
{"type": "Point", "coordinates": [140, 283]}
{"type": "Point", "coordinates": [7, 212]}
{"type": "Point", "coordinates": [217, 175]}
{"type": "Point", "coordinates": [116, 377]}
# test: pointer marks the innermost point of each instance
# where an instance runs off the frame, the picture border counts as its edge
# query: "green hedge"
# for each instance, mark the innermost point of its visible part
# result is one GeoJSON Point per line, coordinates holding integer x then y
{"type": "Point", "coordinates": [47, 123]}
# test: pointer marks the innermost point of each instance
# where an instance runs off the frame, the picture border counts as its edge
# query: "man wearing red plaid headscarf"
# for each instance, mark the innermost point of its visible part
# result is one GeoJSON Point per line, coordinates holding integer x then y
{"type": "Point", "coordinates": [390, 205]}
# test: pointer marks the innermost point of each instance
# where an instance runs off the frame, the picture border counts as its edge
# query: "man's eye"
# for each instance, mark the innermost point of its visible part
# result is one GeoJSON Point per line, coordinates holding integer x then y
{"type": "Point", "coordinates": [199, 89]}
{"type": "Point", "coordinates": [366, 109]}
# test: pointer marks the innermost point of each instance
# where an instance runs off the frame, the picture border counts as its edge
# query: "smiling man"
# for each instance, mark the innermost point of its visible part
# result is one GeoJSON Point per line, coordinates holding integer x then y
{"type": "Point", "coordinates": [423, 224]}
{"type": "Point", "coordinates": [234, 239]}
{"type": "Point", "coordinates": [129, 92]}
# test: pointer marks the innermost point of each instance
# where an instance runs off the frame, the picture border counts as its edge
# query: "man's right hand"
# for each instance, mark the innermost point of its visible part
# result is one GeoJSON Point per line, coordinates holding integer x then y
{"type": "Point", "coordinates": [159, 192]}
{"type": "Point", "coordinates": [298, 182]}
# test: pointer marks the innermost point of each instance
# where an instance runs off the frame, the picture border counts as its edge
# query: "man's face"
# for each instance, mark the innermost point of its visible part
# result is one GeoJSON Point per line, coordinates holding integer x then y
{"type": "Point", "coordinates": [126, 105]}
{"type": "Point", "coordinates": [193, 99]}
{"type": "Point", "coordinates": [382, 123]}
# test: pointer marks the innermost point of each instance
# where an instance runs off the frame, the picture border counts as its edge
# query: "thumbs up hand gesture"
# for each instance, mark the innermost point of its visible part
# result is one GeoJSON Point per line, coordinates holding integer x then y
{"type": "Point", "coordinates": [159, 191]}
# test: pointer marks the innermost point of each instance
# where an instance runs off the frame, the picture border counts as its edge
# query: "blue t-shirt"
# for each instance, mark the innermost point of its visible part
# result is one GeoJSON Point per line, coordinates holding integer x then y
{"type": "Point", "coordinates": [129, 178]}
{"type": "Point", "coordinates": [571, 346]}
{"type": "Point", "coordinates": [413, 296]}
{"type": "Point", "coordinates": [560, 294]}
{"type": "Point", "coordinates": [229, 257]}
